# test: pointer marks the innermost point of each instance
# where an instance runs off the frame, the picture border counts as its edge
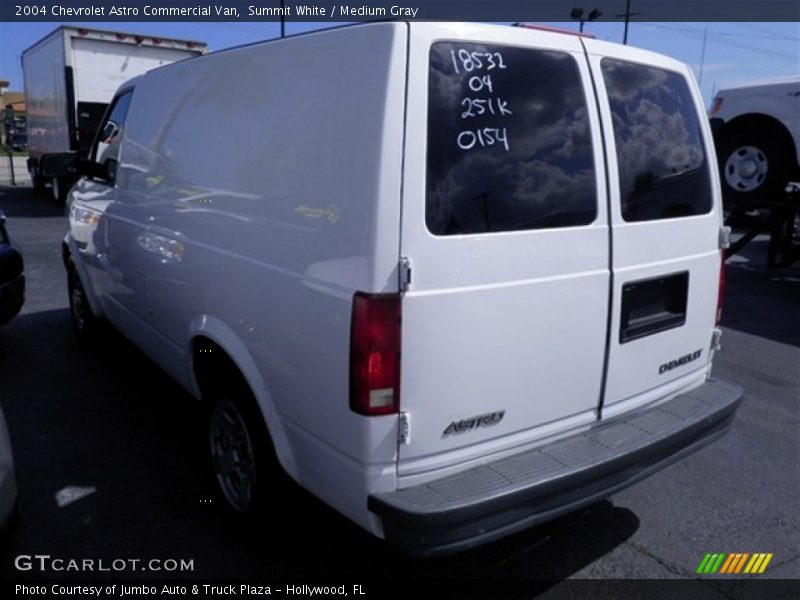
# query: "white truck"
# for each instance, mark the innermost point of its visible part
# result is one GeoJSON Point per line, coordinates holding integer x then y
{"type": "Point", "coordinates": [454, 279]}
{"type": "Point", "coordinates": [70, 77]}
{"type": "Point", "coordinates": [757, 131]}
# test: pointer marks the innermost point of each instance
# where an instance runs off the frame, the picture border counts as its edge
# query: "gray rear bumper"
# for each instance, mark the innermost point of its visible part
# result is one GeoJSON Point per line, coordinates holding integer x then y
{"type": "Point", "coordinates": [496, 499]}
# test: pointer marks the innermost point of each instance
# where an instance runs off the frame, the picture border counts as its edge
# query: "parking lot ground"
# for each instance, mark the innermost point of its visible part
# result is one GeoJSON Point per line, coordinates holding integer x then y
{"type": "Point", "coordinates": [107, 420]}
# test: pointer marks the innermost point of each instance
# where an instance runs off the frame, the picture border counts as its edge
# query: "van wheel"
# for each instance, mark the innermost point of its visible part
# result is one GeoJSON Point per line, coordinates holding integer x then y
{"type": "Point", "coordinates": [242, 457]}
{"type": "Point", "coordinates": [753, 165]}
{"type": "Point", "coordinates": [84, 322]}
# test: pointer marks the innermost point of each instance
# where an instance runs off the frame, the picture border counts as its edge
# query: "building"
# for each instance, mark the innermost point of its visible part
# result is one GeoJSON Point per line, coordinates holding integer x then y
{"type": "Point", "coordinates": [12, 106]}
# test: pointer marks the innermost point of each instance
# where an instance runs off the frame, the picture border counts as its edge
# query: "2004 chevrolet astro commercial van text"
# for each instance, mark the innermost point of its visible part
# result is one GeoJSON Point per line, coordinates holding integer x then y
{"type": "Point", "coordinates": [455, 279]}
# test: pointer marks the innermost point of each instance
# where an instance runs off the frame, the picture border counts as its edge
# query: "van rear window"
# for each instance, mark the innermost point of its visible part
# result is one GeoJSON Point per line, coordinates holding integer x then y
{"type": "Point", "coordinates": [509, 143]}
{"type": "Point", "coordinates": [663, 168]}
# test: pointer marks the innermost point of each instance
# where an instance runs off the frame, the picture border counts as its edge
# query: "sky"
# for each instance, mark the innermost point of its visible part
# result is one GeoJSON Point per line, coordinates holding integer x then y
{"type": "Point", "coordinates": [721, 54]}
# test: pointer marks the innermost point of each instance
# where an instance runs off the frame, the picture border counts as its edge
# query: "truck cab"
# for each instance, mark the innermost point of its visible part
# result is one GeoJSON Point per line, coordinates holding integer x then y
{"type": "Point", "coordinates": [757, 132]}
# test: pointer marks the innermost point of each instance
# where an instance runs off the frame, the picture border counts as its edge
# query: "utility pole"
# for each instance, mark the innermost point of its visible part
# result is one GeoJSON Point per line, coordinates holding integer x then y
{"type": "Point", "coordinates": [8, 119]}
{"type": "Point", "coordinates": [628, 14]}
{"type": "Point", "coordinates": [702, 59]}
{"type": "Point", "coordinates": [283, 19]}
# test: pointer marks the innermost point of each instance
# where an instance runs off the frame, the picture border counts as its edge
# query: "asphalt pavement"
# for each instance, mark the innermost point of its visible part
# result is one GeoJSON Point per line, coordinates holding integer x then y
{"type": "Point", "coordinates": [107, 423]}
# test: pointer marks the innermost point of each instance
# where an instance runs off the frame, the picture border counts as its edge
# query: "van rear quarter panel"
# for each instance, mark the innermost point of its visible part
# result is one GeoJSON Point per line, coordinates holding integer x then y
{"type": "Point", "coordinates": [278, 168]}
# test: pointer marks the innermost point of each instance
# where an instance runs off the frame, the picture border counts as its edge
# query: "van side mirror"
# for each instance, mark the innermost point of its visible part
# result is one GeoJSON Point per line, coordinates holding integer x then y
{"type": "Point", "coordinates": [93, 170]}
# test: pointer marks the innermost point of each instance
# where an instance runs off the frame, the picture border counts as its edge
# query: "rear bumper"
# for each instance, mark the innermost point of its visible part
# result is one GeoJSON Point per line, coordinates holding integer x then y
{"type": "Point", "coordinates": [496, 499]}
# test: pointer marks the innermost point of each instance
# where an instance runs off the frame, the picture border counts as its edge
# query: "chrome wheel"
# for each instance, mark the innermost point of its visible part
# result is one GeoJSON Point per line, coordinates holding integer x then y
{"type": "Point", "coordinates": [233, 455]}
{"type": "Point", "coordinates": [746, 168]}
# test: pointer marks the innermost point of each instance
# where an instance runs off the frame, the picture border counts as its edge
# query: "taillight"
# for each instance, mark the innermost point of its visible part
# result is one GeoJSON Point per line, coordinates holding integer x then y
{"type": "Point", "coordinates": [721, 292]}
{"type": "Point", "coordinates": [375, 354]}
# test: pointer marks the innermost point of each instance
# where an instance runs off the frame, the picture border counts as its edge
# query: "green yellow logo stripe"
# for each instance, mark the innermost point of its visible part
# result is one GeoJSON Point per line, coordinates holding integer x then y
{"type": "Point", "coordinates": [711, 563]}
{"type": "Point", "coordinates": [758, 563]}
{"type": "Point", "coordinates": [733, 563]}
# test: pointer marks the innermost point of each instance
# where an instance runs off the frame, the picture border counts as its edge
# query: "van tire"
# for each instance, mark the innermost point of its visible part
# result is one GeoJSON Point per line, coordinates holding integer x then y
{"type": "Point", "coordinates": [84, 322]}
{"type": "Point", "coordinates": [753, 165]}
{"type": "Point", "coordinates": [249, 481]}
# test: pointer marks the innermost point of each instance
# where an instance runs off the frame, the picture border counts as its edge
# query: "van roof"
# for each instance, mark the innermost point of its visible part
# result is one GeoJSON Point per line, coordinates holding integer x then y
{"type": "Point", "coordinates": [636, 54]}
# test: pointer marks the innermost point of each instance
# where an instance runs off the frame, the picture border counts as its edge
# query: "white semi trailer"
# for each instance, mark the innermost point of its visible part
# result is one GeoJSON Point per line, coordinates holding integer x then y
{"type": "Point", "coordinates": [70, 77]}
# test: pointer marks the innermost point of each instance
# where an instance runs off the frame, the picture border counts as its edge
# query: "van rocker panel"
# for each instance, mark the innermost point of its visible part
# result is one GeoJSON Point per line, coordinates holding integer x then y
{"type": "Point", "coordinates": [495, 499]}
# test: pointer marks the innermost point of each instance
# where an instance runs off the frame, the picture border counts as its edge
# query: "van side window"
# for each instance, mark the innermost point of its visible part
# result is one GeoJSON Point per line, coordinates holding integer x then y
{"type": "Point", "coordinates": [109, 137]}
{"type": "Point", "coordinates": [509, 141]}
{"type": "Point", "coordinates": [663, 168]}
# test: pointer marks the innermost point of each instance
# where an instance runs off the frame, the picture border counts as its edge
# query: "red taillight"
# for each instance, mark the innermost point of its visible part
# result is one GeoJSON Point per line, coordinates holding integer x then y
{"type": "Point", "coordinates": [375, 354]}
{"type": "Point", "coordinates": [721, 292]}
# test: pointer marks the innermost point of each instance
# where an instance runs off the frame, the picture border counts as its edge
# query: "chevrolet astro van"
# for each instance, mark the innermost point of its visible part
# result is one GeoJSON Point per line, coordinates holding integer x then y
{"type": "Point", "coordinates": [454, 279]}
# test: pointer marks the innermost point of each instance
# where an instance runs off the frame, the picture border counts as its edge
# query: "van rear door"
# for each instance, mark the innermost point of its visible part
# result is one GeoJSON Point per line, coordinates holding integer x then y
{"type": "Point", "coordinates": [505, 229]}
{"type": "Point", "coordinates": [664, 211]}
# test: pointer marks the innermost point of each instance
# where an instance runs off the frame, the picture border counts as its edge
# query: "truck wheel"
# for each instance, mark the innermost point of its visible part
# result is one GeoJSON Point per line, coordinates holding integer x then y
{"type": "Point", "coordinates": [243, 460]}
{"type": "Point", "coordinates": [84, 322]}
{"type": "Point", "coordinates": [37, 181]}
{"type": "Point", "coordinates": [60, 190]}
{"type": "Point", "coordinates": [753, 165]}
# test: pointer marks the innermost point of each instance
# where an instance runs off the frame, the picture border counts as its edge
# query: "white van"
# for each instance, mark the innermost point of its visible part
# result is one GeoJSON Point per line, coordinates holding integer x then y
{"type": "Point", "coordinates": [455, 279]}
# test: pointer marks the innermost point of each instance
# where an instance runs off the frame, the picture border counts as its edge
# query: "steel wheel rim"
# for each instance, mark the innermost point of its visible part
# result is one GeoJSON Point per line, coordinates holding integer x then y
{"type": "Point", "coordinates": [746, 169]}
{"type": "Point", "coordinates": [232, 453]}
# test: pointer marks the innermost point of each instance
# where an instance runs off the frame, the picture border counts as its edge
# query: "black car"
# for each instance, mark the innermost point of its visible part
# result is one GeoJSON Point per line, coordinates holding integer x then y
{"type": "Point", "coordinates": [12, 278]}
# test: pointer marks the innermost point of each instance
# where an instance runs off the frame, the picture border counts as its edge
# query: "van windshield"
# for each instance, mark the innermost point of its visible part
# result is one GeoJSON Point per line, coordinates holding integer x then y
{"type": "Point", "coordinates": [663, 169]}
{"type": "Point", "coordinates": [509, 142]}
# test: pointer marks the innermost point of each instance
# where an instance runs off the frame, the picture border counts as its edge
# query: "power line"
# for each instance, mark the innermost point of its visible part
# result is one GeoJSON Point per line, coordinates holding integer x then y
{"type": "Point", "coordinates": [613, 33]}
{"type": "Point", "coordinates": [725, 40]}
{"type": "Point", "coordinates": [725, 33]}
{"type": "Point", "coordinates": [762, 28]}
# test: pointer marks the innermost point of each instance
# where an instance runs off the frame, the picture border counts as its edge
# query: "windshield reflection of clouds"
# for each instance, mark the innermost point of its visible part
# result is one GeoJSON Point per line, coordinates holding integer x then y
{"type": "Point", "coordinates": [234, 146]}
{"type": "Point", "coordinates": [546, 179]}
{"type": "Point", "coordinates": [172, 160]}
{"type": "Point", "coordinates": [662, 164]}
